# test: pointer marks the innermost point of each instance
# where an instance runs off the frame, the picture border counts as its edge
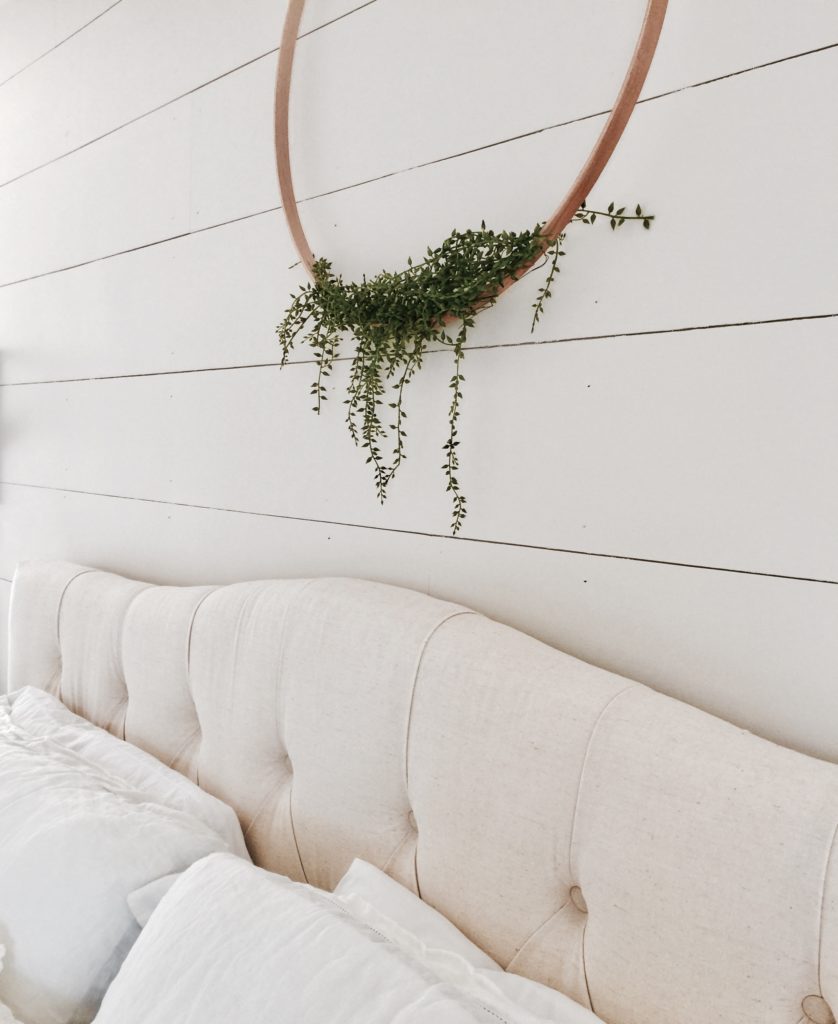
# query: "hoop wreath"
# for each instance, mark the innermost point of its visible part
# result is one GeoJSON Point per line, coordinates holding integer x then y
{"type": "Point", "coordinates": [593, 167]}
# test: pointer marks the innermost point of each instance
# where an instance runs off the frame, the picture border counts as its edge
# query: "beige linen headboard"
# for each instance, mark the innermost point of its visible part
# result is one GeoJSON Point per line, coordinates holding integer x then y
{"type": "Point", "coordinates": [648, 859]}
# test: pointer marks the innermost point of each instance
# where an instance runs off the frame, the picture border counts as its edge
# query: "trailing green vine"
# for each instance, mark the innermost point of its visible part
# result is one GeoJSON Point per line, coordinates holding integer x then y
{"type": "Point", "coordinates": [395, 317]}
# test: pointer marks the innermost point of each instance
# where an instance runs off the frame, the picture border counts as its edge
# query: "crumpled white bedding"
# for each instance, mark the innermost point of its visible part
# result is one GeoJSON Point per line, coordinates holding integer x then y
{"type": "Point", "coordinates": [86, 820]}
{"type": "Point", "coordinates": [6, 1015]}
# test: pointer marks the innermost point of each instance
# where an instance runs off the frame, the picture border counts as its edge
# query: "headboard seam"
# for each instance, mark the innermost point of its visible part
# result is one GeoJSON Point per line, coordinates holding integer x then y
{"type": "Point", "coordinates": [586, 756]}
{"type": "Point", "coordinates": [289, 611]}
{"type": "Point", "coordinates": [827, 866]}
{"type": "Point", "coordinates": [585, 966]}
{"type": "Point", "coordinates": [120, 647]}
{"type": "Point", "coordinates": [209, 592]}
{"type": "Point", "coordinates": [422, 648]}
{"type": "Point", "coordinates": [510, 966]}
{"type": "Point", "coordinates": [64, 589]}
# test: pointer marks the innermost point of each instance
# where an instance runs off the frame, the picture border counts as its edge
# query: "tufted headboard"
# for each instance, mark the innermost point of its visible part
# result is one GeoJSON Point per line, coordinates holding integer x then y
{"type": "Point", "coordinates": [646, 858]}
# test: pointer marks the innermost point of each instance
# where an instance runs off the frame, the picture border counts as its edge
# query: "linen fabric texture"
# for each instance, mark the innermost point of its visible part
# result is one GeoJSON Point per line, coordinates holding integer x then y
{"type": "Point", "coordinates": [655, 863]}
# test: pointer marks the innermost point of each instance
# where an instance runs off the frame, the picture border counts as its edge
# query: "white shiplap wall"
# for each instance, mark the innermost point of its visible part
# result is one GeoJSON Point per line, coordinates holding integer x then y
{"type": "Point", "coordinates": [671, 514]}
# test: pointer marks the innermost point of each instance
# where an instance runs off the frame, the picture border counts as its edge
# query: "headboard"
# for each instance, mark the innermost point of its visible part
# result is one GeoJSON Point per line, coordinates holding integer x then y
{"type": "Point", "coordinates": [644, 857]}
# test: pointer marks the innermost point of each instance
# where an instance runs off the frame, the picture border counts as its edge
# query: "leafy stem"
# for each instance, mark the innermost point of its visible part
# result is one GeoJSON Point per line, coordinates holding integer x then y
{"type": "Point", "coordinates": [544, 292]}
{"type": "Point", "coordinates": [395, 317]}
{"type": "Point", "coordinates": [616, 216]}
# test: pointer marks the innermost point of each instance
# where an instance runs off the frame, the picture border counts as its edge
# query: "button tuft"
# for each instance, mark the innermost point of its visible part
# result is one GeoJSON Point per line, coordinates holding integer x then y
{"type": "Point", "coordinates": [411, 820]}
{"type": "Point", "coordinates": [578, 900]}
{"type": "Point", "coordinates": [817, 1010]}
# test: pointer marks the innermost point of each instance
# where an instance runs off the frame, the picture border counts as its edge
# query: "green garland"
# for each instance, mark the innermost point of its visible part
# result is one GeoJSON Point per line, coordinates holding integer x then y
{"type": "Point", "coordinates": [395, 317]}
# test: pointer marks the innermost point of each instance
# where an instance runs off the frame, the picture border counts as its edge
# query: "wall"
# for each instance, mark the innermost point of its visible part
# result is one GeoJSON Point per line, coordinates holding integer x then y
{"type": "Point", "coordinates": [650, 474]}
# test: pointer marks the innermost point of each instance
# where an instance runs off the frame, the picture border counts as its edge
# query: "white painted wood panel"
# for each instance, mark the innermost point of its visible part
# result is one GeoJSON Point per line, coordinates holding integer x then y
{"type": "Point", "coordinates": [208, 299]}
{"type": "Point", "coordinates": [708, 447]}
{"type": "Point", "coordinates": [155, 50]}
{"type": "Point", "coordinates": [130, 191]}
{"type": "Point", "coordinates": [31, 28]}
{"type": "Point", "coordinates": [712, 257]}
{"type": "Point", "coordinates": [154, 309]}
{"type": "Point", "coordinates": [349, 117]}
{"type": "Point", "coordinates": [760, 652]}
{"type": "Point", "coordinates": [696, 148]}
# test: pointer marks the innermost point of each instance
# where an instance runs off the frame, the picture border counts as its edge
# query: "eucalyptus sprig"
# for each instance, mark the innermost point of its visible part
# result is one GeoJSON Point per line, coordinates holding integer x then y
{"type": "Point", "coordinates": [395, 317]}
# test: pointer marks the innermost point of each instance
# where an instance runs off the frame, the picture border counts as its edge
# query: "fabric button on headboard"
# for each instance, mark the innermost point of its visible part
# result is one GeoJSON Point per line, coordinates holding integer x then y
{"type": "Point", "coordinates": [648, 859]}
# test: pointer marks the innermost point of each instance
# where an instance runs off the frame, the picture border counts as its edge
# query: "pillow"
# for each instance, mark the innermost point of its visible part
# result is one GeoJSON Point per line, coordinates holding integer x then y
{"type": "Point", "coordinates": [371, 895]}
{"type": "Point", "coordinates": [230, 941]}
{"type": "Point", "coordinates": [44, 716]}
{"type": "Point", "coordinates": [143, 901]}
{"type": "Point", "coordinates": [86, 820]}
{"type": "Point", "coordinates": [385, 905]}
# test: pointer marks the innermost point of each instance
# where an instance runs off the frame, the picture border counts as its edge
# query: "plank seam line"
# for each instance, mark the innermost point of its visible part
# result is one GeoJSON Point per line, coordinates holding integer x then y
{"type": "Point", "coordinates": [420, 533]}
{"type": "Point", "coordinates": [527, 343]}
{"type": "Point", "coordinates": [52, 49]}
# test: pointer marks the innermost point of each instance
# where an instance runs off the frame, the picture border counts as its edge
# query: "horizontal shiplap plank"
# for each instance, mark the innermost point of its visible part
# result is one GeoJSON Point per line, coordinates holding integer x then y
{"type": "Point", "coordinates": [29, 29]}
{"type": "Point", "coordinates": [130, 192]}
{"type": "Point", "coordinates": [207, 299]}
{"type": "Point", "coordinates": [757, 651]}
{"type": "Point", "coordinates": [708, 447]}
{"type": "Point", "coordinates": [349, 117]}
{"type": "Point", "coordinates": [698, 159]}
{"type": "Point", "coordinates": [154, 50]}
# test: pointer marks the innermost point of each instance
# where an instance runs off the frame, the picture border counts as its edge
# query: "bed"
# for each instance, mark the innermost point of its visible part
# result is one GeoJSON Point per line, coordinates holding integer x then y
{"type": "Point", "coordinates": [655, 863]}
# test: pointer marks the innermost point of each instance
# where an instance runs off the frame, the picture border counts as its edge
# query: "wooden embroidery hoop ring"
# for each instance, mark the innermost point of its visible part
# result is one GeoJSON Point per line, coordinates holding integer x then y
{"type": "Point", "coordinates": [599, 156]}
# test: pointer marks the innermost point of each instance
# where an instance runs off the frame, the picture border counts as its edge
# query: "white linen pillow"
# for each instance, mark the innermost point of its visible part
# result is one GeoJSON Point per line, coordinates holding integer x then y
{"type": "Point", "coordinates": [387, 906]}
{"type": "Point", "coordinates": [42, 715]}
{"type": "Point", "coordinates": [86, 820]}
{"type": "Point", "coordinates": [365, 887]}
{"type": "Point", "coordinates": [143, 901]}
{"type": "Point", "coordinates": [231, 942]}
